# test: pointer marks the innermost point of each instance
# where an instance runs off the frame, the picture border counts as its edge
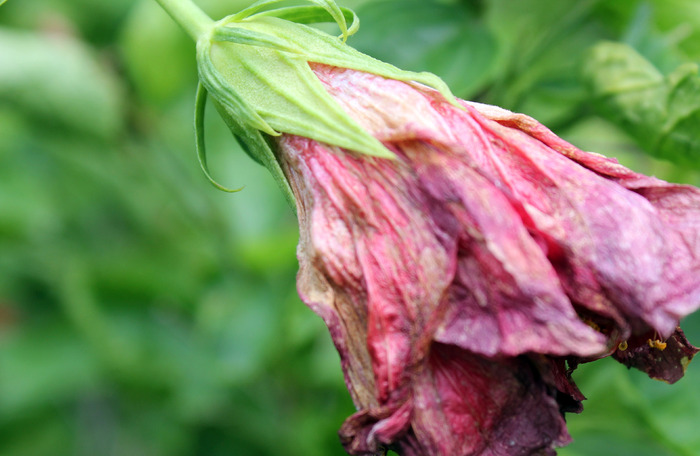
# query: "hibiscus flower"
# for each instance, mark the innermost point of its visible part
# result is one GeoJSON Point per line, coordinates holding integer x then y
{"type": "Point", "coordinates": [464, 258]}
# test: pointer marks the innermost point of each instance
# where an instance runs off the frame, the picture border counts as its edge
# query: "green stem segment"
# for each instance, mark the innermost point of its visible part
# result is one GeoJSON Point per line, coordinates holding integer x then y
{"type": "Point", "coordinates": [188, 15]}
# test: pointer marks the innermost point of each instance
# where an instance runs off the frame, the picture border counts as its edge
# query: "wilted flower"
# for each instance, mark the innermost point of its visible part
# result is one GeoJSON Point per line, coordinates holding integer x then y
{"type": "Point", "coordinates": [464, 258]}
{"type": "Point", "coordinates": [458, 279]}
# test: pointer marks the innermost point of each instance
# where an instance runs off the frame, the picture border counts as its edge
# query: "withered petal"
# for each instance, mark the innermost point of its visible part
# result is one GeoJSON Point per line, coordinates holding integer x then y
{"type": "Point", "coordinates": [459, 279]}
{"type": "Point", "coordinates": [664, 360]}
{"type": "Point", "coordinates": [469, 404]}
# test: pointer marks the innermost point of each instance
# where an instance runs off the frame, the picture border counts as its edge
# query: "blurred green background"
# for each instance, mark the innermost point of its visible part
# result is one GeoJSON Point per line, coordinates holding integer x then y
{"type": "Point", "coordinates": [143, 312]}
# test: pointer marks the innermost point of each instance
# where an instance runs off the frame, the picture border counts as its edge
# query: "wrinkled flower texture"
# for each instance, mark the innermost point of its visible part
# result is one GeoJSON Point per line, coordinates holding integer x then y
{"type": "Point", "coordinates": [463, 281]}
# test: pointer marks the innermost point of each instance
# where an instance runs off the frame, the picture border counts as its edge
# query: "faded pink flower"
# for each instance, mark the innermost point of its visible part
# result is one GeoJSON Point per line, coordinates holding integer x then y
{"type": "Point", "coordinates": [463, 281]}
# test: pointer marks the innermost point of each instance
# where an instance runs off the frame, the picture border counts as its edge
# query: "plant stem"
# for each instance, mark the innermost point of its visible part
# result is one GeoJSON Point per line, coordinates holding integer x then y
{"type": "Point", "coordinates": [188, 16]}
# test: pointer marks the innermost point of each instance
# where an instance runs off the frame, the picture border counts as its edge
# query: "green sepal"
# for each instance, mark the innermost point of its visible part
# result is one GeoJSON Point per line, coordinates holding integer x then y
{"type": "Point", "coordinates": [200, 104]}
{"type": "Point", "coordinates": [250, 139]}
{"type": "Point", "coordinates": [262, 62]}
{"type": "Point", "coordinates": [308, 14]}
{"type": "Point", "coordinates": [255, 64]}
{"type": "Point", "coordinates": [283, 90]}
{"type": "Point", "coordinates": [240, 35]}
{"type": "Point", "coordinates": [216, 84]}
{"type": "Point", "coordinates": [256, 146]}
{"type": "Point", "coordinates": [328, 5]}
{"type": "Point", "coordinates": [320, 47]}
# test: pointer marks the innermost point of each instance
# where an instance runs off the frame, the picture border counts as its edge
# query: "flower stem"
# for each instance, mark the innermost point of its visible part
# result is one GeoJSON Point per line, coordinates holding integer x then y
{"type": "Point", "coordinates": [188, 16]}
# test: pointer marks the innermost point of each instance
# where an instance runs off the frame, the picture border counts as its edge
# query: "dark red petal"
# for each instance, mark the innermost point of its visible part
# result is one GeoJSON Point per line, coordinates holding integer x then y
{"type": "Point", "coordinates": [663, 360]}
{"type": "Point", "coordinates": [467, 404]}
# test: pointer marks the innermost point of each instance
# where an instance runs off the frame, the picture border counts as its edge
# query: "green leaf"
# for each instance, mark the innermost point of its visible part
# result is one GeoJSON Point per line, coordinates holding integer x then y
{"type": "Point", "coordinates": [679, 138]}
{"type": "Point", "coordinates": [59, 80]}
{"type": "Point", "coordinates": [540, 46]}
{"type": "Point", "coordinates": [449, 40]}
{"type": "Point", "coordinates": [47, 362]}
{"type": "Point", "coordinates": [661, 113]}
{"type": "Point", "coordinates": [683, 15]}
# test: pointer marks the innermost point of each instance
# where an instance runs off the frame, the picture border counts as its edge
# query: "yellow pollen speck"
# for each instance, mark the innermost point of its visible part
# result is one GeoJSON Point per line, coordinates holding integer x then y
{"type": "Point", "coordinates": [657, 344]}
{"type": "Point", "coordinates": [622, 346]}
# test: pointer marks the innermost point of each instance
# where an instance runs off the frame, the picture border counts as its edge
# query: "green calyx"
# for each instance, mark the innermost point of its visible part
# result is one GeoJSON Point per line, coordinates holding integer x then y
{"type": "Point", "coordinates": [255, 65]}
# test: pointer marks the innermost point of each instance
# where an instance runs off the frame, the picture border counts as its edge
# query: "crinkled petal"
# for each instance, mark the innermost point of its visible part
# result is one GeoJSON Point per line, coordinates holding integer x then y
{"type": "Point", "coordinates": [465, 404]}
{"type": "Point", "coordinates": [663, 360]}
{"type": "Point", "coordinates": [463, 281]}
{"type": "Point", "coordinates": [528, 309]}
{"type": "Point", "coordinates": [468, 404]}
{"type": "Point", "coordinates": [390, 264]}
{"type": "Point", "coordinates": [630, 241]}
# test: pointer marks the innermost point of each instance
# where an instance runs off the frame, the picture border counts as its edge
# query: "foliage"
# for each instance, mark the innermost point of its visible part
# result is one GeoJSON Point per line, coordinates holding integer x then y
{"type": "Point", "coordinates": [144, 312]}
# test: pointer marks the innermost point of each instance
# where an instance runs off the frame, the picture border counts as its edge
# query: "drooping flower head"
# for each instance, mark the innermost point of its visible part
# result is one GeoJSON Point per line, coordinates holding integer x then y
{"type": "Point", "coordinates": [464, 258]}
{"type": "Point", "coordinates": [463, 281]}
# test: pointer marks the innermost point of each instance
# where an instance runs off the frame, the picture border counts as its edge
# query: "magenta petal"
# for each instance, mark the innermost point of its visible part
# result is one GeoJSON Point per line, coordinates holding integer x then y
{"type": "Point", "coordinates": [629, 240]}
